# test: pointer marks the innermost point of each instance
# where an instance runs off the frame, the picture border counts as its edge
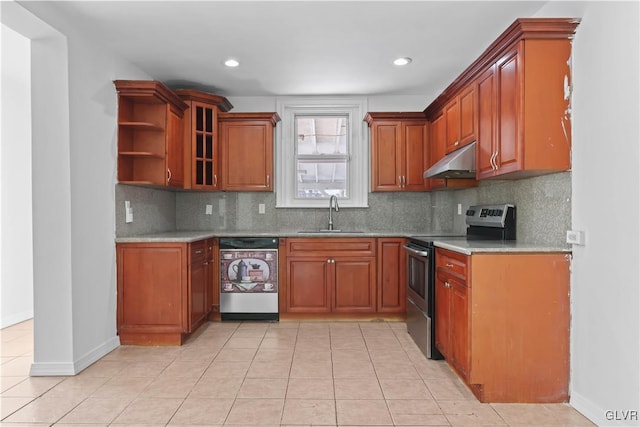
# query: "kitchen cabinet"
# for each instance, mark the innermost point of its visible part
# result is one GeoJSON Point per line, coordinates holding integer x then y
{"type": "Point", "coordinates": [162, 291]}
{"type": "Point", "coordinates": [330, 275]}
{"type": "Point", "coordinates": [399, 151]}
{"type": "Point", "coordinates": [506, 323]}
{"type": "Point", "coordinates": [200, 124]}
{"type": "Point", "coordinates": [461, 119]}
{"type": "Point", "coordinates": [392, 272]}
{"type": "Point", "coordinates": [438, 150]}
{"type": "Point", "coordinates": [150, 140]}
{"type": "Point", "coordinates": [246, 150]}
{"type": "Point", "coordinates": [212, 288]}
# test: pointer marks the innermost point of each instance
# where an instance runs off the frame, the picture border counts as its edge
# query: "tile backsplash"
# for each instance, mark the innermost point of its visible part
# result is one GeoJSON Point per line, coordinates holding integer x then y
{"type": "Point", "coordinates": [543, 210]}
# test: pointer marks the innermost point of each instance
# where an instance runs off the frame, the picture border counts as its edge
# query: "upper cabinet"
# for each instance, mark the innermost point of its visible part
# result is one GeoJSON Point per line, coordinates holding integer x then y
{"type": "Point", "coordinates": [246, 150]}
{"type": "Point", "coordinates": [515, 100]}
{"type": "Point", "coordinates": [201, 152]}
{"type": "Point", "coordinates": [461, 119]}
{"type": "Point", "coordinates": [150, 144]}
{"type": "Point", "coordinates": [399, 151]}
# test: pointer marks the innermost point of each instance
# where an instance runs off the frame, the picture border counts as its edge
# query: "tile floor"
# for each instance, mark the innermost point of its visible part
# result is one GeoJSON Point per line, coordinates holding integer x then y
{"type": "Point", "coordinates": [252, 373]}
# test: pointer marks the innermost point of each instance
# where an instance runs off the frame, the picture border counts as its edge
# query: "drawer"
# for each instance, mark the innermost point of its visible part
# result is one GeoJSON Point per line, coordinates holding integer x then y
{"type": "Point", "coordinates": [452, 262]}
{"type": "Point", "coordinates": [198, 251]}
{"type": "Point", "coordinates": [332, 246]}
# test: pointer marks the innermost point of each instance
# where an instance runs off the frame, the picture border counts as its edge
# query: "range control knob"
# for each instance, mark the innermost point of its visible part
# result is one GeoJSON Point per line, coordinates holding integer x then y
{"type": "Point", "coordinates": [470, 212]}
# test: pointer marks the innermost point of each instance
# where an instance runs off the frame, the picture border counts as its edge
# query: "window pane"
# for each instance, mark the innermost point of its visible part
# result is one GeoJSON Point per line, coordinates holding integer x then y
{"type": "Point", "coordinates": [321, 180]}
{"type": "Point", "coordinates": [321, 134]}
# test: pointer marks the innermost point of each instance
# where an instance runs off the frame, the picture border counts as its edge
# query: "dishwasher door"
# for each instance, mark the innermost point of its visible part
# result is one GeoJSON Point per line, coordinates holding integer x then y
{"type": "Point", "coordinates": [248, 283]}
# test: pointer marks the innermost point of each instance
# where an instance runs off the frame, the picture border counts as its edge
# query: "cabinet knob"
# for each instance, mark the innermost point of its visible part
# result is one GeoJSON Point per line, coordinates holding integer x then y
{"type": "Point", "coordinates": [449, 265]}
{"type": "Point", "coordinates": [455, 144]}
{"type": "Point", "coordinates": [198, 252]}
{"type": "Point", "coordinates": [447, 284]}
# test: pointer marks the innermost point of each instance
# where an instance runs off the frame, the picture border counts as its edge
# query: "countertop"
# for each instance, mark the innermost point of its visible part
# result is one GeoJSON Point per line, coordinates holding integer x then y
{"type": "Point", "coordinates": [469, 247]}
{"type": "Point", "coordinates": [456, 244]}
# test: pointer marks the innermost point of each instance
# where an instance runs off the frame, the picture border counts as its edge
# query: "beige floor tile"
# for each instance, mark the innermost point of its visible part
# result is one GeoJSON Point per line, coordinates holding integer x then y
{"type": "Point", "coordinates": [104, 368]}
{"type": "Point", "coordinates": [18, 367]}
{"type": "Point", "coordinates": [32, 387]}
{"type": "Point", "coordinates": [413, 412]}
{"type": "Point", "coordinates": [393, 355]}
{"type": "Point", "coordinates": [309, 412]}
{"type": "Point", "coordinates": [404, 389]}
{"type": "Point", "coordinates": [221, 368]}
{"type": "Point", "coordinates": [274, 355]}
{"type": "Point", "coordinates": [16, 348]}
{"type": "Point", "coordinates": [202, 411]}
{"type": "Point", "coordinates": [9, 405]}
{"type": "Point", "coordinates": [311, 369]}
{"type": "Point", "coordinates": [312, 356]}
{"type": "Point", "coordinates": [449, 389]}
{"type": "Point", "coordinates": [235, 354]}
{"type": "Point", "coordinates": [244, 342]}
{"type": "Point", "coordinates": [362, 412]}
{"type": "Point", "coordinates": [310, 388]}
{"type": "Point", "coordinates": [122, 387]}
{"type": "Point", "coordinates": [259, 388]}
{"type": "Point", "coordinates": [434, 370]}
{"type": "Point", "coordinates": [149, 410]}
{"type": "Point", "coordinates": [395, 370]}
{"type": "Point", "coordinates": [262, 369]}
{"type": "Point", "coordinates": [346, 343]}
{"type": "Point", "coordinates": [256, 412]}
{"type": "Point", "coordinates": [357, 388]}
{"type": "Point", "coordinates": [353, 369]}
{"type": "Point", "coordinates": [313, 344]}
{"type": "Point", "coordinates": [141, 368]}
{"type": "Point", "coordinates": [43, 410]}
{"type": "Point", "coordinates": [217, 387]}
{"type": "Point", "coordinates": [278, 342]}
{"type": "Point", "coordinates": [7, 383]}
{"type": "Point", "coordinates": [470, 413]}
{"type": "Point", "coordinates": [168, 386]}
{"type": "Point", "coordinates": [186, 368]}
{"type": "Point", "coordinates": [96, 410]}
{"type": "Point", "coordinates": [350, 355]}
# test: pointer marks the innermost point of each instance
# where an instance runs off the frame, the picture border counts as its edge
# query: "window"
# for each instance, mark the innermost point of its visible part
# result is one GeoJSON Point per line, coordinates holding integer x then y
{"type": "Point", "coordinates": [321, 152]}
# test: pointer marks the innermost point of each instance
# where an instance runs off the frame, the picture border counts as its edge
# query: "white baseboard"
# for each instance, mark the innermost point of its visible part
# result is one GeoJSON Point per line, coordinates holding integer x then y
{"type": "Point", "coordinates": [598, 415]}
{"type": "Point", "coordinates": [45, 369]}
{"type": "Point", "coordinates": [16, 318]}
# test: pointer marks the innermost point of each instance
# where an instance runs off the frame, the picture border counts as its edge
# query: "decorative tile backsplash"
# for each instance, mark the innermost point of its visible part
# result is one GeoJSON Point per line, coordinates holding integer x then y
{"type": "Point", "coordinates": [543, 208]}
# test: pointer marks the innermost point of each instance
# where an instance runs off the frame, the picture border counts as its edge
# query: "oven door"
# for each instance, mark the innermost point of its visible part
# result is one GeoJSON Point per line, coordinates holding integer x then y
{"type": "Point", "coordinates": [419, 261]}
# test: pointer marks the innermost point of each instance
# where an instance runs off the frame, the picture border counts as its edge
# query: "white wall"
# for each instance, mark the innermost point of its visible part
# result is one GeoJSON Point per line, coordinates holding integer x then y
{"type": "Point", "coordinates": [605, 291]}
{"type": "Point", "coordinates": [16, 261]}
{"type": "Point", "coordinates": [74, 174]}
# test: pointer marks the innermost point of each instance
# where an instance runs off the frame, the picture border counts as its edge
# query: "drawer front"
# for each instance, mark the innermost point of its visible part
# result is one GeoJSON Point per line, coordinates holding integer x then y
{"type": "Point", "coordinates": [198, 251]}
{"type": "Point", "coordinates": [452, 262]}
{"type": "Point", "coordinates": [332, 246]}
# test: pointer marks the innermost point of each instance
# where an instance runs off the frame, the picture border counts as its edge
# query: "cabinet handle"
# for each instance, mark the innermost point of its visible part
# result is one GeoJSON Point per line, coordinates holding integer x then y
{"type": "Point", "coordinates": [449, 265]}
{"type": "Point", "coordinates": [447, 284]}
{"type": "Point", "coordinates": [404, 181]}
{"type": "Point", "coordinates": [495, 160]}
{"type": "Point", "coordinates": [331, 261]}
{"type": "Point", "coordinates": [455, 144]}
{"type": "Point", "coordinates": [206, 263]}
{"type": "Point", "coordinates": [268, 180]}
{"type": "Point", "coordinates": [198, 252]}
{"type": "Point", "coordinates": [215, 180]}
{"type": "Point", "coordinates": [168, 175]}
{"type": "Point", "coordinates": [400, 180]}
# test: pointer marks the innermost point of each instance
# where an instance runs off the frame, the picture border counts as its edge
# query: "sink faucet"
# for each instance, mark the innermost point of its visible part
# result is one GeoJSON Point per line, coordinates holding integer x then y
{"type": "Point", "coordinates": [333, 203]}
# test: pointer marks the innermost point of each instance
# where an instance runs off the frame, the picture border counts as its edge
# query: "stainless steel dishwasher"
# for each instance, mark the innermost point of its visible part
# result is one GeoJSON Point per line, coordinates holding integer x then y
{"type": "Point", "coordinates": [249, 278]}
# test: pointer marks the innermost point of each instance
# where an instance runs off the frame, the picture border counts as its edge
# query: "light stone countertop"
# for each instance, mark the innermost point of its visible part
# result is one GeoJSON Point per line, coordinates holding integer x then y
{"type": "Point", "coordinates": [469, 247]}
{"type": "Point", "coordinates": [456, 244]}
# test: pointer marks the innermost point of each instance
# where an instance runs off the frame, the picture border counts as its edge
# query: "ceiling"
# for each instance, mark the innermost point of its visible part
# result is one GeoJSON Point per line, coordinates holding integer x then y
{"type": "Point", "coordinates": [298, 47]}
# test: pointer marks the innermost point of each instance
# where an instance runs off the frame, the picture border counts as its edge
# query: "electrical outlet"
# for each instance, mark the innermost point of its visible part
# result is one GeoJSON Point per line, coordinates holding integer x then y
{"type": "Point", "coordinates": [575, 237]}
{"type": "Point", "coordinates": [128, 212]}
{"type": "Point", "coordinates": [261, 208]}
{"type": "Point", "coordinates": [208, 210]}
{"type": "Point", "coordinates": [459, 208]}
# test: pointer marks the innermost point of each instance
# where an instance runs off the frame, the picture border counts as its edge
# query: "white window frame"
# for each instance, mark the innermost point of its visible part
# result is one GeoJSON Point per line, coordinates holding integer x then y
{"type": "Point", "coordinates": [355, 108]}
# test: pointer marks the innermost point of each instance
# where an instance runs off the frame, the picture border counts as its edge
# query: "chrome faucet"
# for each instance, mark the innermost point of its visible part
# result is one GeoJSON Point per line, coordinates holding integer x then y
{"type": "Point", "coordinates": [333, 203]}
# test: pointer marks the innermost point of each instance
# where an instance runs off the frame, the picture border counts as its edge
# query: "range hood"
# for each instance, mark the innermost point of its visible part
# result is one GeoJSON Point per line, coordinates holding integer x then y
{"type": "Point", "coordinates": [457, 164]}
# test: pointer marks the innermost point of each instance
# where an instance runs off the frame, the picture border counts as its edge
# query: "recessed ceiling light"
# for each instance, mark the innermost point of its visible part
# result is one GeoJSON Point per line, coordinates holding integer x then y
{"type": "Point", "coordinates": [402, 61]}
{"type": "Point", "coordinates": [231, 63]}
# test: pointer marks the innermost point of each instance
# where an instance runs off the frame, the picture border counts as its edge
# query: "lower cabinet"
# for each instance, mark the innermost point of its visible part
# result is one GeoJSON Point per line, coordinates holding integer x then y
{"type": "Point", "coordinates": [164, 291]}
{"type": "Point", "coordinates": [392, 275]}
{"type": "Point", "coordinates": [330, 275]}
{"type": "Point", "coordinates": [502, 323]}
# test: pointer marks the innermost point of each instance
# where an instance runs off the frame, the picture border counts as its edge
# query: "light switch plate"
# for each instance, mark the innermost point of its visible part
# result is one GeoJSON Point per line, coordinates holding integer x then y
{"type": "Point", "coordinates": [208, 210]}
{"type": "Point", "coordinates": [261, 208]}
{"type": "Point", "coordinates": [128, 212]}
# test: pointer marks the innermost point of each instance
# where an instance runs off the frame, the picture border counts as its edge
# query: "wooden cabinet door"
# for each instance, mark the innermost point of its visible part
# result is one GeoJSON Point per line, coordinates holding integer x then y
{"type": "Point", "coordinates": [353, 284]}
{"type": "Point", "coordinates": [452, 119]}
{"type": "Point", "coordinates": [438, 146]}
{"type": "Point", "coordinates": [308, 285]}
{"type": "Point", "coordinates": [175, 150]}
{"type": "Point", "coordinates": [468, 115]}
{"type": "Point", "coordinates": [442, 317]}
{"type": "Point", "coordinates": [459, 326]}
{"type": "Point", "coordinates": [202, 134]}
{"type": "Point", "coordinates": [487, 88]}
{"type": "Point", "coordinates": [152, 305]}
{"type": "Point", "coordinates": [509, 139]}
{"type": "Point", "coordinates": [392, 276]}
{"type": "Point", "coordinates": [212, 290]}
{"type": "Point", "coordinates": [415, 155]}
{"type": "Point", "coordinates": [386, 163]}
{"type": "Point", "coordinates": [246, 149]}
{"type": "Point", "coordinates": [197, 291]}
